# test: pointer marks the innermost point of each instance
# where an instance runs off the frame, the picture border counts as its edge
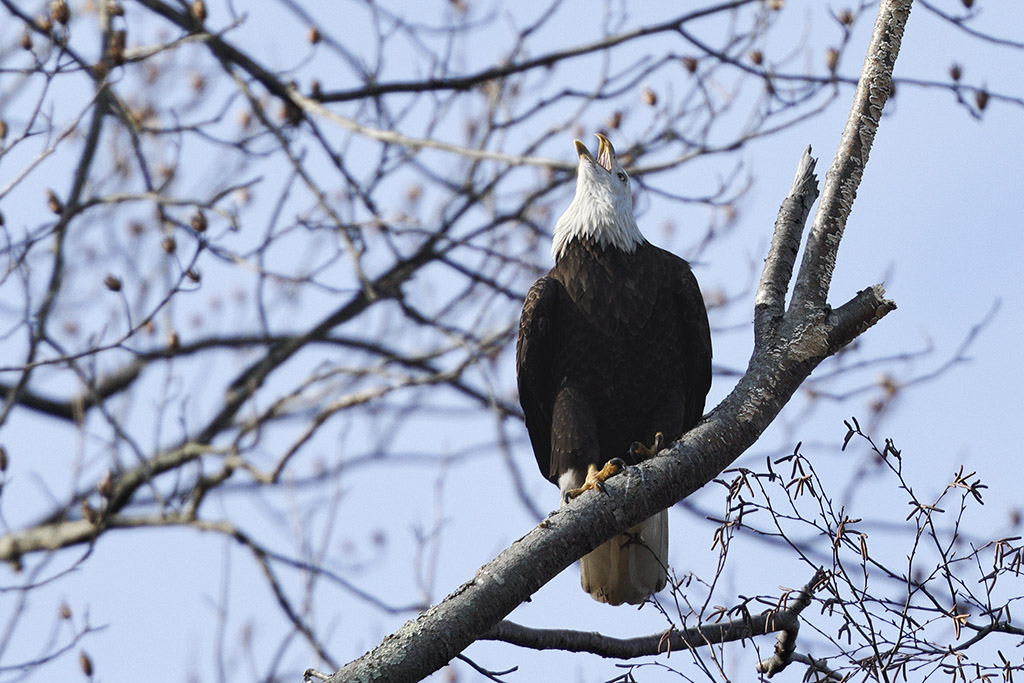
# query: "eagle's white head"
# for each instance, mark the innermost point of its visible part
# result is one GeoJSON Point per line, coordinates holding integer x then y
{"type": "Point", "coordinates": [602, 210]}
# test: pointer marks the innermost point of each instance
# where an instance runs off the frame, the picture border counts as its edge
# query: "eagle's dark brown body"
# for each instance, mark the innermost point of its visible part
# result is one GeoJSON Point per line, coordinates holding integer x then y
{"type": "Point", "coordinates": [613, 347]}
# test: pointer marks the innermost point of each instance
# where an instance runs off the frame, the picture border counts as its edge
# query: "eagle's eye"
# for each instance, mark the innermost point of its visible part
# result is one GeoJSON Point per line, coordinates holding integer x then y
{"type": "Point", "coordinates": [622, 176]}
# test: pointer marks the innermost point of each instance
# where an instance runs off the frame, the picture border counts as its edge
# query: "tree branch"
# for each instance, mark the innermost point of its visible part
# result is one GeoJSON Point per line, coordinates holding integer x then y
{"type": "Point", "coordinates": [785, 646]}
{"type": "Point", "coordinates": [770, 302]}
{"type": "Point", "coordinates": [843, 177]}
{"type": "Point", "coordinates": [783, 620]}
{"type": "Point", "coordinates": [544, 61]}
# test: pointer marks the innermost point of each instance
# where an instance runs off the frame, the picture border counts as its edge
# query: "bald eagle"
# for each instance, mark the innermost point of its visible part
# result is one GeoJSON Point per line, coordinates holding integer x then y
{"type": "Point", "coordinates": [614, 352]}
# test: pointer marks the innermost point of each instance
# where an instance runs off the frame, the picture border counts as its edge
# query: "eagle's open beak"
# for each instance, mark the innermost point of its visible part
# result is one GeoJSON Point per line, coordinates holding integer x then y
{"type": "Point", "coordinates": [605, 151]}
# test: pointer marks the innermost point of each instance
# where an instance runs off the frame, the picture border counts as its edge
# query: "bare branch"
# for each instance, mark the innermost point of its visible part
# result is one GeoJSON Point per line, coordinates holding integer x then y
{"type": "Point", "coordinates": [844, 175]}
{"type": "Point", "coordinates": [785, 620]}
{"type": "Point", "coordinates": [770, 302]}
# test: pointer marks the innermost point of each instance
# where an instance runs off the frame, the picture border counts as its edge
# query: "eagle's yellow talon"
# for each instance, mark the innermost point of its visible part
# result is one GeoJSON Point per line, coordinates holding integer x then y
{"type": "Point", "coordinates": [641, 452]}
{"type": "Point", "coordinates": [597, 477]}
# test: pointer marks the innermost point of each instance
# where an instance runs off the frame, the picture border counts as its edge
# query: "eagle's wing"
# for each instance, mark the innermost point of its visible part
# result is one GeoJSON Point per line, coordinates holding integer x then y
{"type": "Point", "coordinates": [696, 345]}
{"type": "Point", "coordinates": [534, 350]}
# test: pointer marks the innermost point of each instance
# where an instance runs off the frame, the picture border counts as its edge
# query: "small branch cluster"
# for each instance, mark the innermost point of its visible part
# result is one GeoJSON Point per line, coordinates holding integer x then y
{"type": "Point", "coordinates": [884, 611]}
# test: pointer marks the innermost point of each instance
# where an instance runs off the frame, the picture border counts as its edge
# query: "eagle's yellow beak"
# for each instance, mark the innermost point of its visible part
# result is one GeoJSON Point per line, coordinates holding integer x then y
{"type": "Point", "coordinates": [581, 149]}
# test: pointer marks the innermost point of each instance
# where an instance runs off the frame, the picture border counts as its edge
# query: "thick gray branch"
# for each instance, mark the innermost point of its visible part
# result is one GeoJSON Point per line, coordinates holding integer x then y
{"type": "Point", "coordinates": [847, 322]}
{"type": "Point", "coordinates": [844, 176]}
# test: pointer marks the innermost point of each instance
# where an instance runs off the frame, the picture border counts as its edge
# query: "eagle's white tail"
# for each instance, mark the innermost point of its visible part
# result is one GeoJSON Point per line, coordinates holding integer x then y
{"type": "Point", "coordinates": [631, 566]}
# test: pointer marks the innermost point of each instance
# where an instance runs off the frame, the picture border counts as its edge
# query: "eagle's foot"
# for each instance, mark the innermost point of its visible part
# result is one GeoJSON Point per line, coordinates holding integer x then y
{"type": "Point", "coordinates": [641, 452]}
{"type": "Point", "coordinates": [597, 477]}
